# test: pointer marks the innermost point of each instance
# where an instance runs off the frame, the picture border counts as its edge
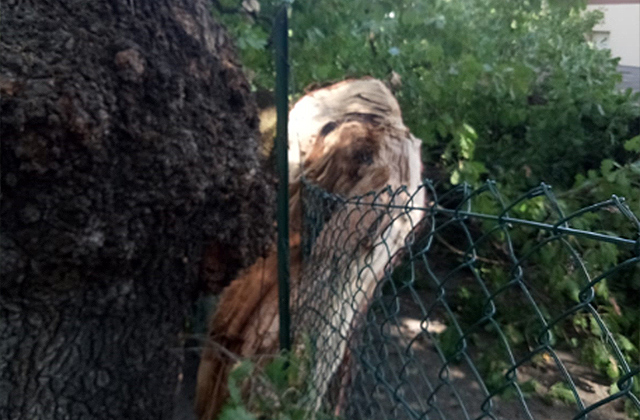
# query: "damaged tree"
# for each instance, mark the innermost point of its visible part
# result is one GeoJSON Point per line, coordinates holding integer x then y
{"type": "Point", "coordinates": [348, 139]}
{"type": "Point", "coordinates": [128, 150]}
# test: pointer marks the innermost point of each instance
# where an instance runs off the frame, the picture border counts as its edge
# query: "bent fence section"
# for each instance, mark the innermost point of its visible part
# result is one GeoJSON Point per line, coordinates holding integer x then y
{"type": "Point", "coordinates": [467, 306]}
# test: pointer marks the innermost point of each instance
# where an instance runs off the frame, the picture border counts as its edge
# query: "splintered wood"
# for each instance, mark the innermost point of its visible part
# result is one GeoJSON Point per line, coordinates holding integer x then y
{"type": "Point", "coordinates": [347, 139]}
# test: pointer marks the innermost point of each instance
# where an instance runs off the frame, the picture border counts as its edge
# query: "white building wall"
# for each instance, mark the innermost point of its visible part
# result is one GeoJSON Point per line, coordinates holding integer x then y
{"type": "Point", "coordinates": [620, 30]}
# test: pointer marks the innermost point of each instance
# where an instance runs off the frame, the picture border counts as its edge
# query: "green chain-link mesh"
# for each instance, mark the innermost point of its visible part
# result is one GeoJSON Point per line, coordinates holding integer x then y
{"type": "Point", "coordinates": [454, 317]}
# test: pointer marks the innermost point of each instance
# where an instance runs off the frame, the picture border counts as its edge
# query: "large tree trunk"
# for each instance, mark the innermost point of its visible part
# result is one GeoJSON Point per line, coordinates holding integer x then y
{"type": "Point", "coordinates": [128, 149]}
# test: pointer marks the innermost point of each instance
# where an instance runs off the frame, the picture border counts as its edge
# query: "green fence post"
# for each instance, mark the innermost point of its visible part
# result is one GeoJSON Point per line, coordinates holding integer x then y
{"type": "Point", "coordinates": [282, 108]}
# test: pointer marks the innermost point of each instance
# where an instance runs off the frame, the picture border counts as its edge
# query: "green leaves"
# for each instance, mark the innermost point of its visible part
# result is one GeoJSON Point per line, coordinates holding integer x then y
{"type": "Point", "coordinates": [237, 376]}
{"type": "Point", "coordinates": [277, 387]}
{"type": "Point", "coordinates": [597, 353]}
{"type": "Point", "coordinates": [561, 392]}
{"type": "Point", "coordinates": [505, 90]}
{"type": "Point", "coordinates": [633, 144]}
{"type": "Point", "coordinates": [235, 413]}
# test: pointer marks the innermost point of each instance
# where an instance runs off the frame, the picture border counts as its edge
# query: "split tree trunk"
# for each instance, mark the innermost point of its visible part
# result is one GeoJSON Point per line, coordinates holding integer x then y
{"type": "Point", "coordinates": [128, 149]}
{"type": "Point", "coordinates": [348, 139]}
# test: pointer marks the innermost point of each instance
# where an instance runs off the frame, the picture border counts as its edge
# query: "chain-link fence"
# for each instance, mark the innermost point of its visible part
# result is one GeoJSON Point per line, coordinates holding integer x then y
{"type": "Point", "coordinates": [467, 306]}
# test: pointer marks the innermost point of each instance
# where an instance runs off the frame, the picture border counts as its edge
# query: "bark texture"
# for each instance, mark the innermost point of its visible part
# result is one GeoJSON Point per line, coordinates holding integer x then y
{"type": "Point", "coordinates": [129, 150]}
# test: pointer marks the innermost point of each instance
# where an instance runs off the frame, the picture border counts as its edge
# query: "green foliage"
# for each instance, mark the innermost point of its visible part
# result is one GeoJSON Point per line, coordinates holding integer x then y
{"type": "Point", "coordinates": [449, 343]}
{"type": "Point", "coordinates": [236, 413]}
{"type": "Point", "coordinates": [560, 391]}
{"type": "Point", "coordinates": [505, 89]}
{"type": "Point", "coordinates": [274, 388]}
{"type": "Point", "coordinates": [596, 353]}
{"type": "Point", "coordinates": [495, 369]}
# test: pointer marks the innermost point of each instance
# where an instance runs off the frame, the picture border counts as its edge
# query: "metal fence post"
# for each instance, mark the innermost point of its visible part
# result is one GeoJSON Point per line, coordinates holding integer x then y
{"type": "Point", "coordinates": [282, 108]}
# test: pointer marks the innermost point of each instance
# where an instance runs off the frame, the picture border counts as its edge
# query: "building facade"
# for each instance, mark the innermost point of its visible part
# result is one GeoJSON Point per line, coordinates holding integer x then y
{"type": "Point", "coordinates": [620, 29]}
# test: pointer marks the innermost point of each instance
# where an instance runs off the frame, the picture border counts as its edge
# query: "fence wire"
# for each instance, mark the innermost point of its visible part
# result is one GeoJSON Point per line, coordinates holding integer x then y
{"type": "Point", "coordinates": [444, 310]}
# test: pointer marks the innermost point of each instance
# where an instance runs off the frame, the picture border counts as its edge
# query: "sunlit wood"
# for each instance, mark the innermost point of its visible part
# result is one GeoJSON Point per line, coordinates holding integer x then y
{"type": "Point", "coordinates": [348, 139]}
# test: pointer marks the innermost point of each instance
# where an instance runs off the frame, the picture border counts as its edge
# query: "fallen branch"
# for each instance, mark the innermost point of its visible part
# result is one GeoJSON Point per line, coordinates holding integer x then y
{"type": "Point", "coordinates": [347, 139]}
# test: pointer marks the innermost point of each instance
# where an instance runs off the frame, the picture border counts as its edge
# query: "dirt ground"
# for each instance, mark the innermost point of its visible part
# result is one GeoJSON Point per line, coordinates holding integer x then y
{"type": "Point", "coordinates": [404, 377]}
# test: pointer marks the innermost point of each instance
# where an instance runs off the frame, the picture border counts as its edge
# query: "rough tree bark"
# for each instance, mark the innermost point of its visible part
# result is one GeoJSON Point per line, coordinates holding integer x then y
{"type": "Point", "coordinates": [128, 150]}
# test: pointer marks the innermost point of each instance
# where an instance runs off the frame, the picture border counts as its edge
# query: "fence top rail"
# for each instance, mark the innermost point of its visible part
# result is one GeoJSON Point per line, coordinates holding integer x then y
{"type": "Point", "coordinates": [559, 228]}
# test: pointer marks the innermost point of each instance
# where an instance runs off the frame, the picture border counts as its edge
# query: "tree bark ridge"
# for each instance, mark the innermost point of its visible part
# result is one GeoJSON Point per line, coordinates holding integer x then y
{"type": "Point", "coordinates": [128, 150]}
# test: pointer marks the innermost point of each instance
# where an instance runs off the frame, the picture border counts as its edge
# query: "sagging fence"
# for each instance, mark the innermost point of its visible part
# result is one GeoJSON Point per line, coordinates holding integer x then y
{"type": "Point", "coordinates": [465, 306]}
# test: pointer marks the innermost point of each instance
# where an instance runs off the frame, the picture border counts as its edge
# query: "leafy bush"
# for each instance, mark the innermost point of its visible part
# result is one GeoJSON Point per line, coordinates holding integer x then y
{"type": "Point", "coordinates": [276, 387]}
{"type": "Point", "coordinates": [505, 89]}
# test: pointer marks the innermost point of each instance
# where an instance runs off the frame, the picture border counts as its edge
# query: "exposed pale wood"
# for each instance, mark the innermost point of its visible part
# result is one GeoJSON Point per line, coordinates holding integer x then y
{"type": "Point", "coordinates": [332, 104]}
{"type": "Point", "coordinates": [348, 139]}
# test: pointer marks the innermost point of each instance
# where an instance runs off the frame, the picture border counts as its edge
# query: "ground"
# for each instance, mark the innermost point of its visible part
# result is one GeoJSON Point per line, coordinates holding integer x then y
{"type": "Point", "coordinates": [414, 374]}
